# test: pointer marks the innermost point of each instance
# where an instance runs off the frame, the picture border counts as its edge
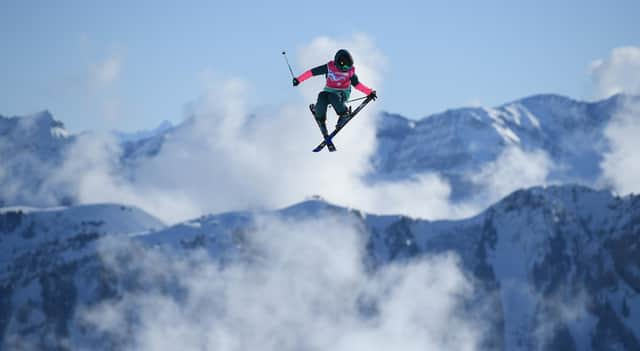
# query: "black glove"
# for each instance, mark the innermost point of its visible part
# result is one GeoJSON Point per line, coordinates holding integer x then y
{"type": "Point", "coordinates": [295, 82]}
{"type": "Point", "coordinates": [373, 96]}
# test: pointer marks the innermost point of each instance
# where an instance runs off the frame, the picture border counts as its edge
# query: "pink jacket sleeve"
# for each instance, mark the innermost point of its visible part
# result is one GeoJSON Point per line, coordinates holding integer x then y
{"type": "Point", "coordinates": [363, 88]}
{"type": "Point", "coordinates": [304, 76]}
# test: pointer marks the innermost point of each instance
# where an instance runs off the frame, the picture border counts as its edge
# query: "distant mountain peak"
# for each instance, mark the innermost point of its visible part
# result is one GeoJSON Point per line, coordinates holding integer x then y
{"type": "Point", "coordinates": [135, 136]}
{"type": "Point", "coordinates": [45, 115]}
{"type": "Point", "coordinates": [542, 97]}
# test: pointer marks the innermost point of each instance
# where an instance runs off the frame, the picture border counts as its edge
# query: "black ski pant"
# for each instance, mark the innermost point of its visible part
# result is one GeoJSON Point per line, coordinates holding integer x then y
{"type": "Point", "coordinates": [324, 99]}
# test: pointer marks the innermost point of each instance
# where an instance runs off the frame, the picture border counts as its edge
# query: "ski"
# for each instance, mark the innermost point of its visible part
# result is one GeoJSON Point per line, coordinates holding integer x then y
{"type": "Point", "coordinates": [330, 146]}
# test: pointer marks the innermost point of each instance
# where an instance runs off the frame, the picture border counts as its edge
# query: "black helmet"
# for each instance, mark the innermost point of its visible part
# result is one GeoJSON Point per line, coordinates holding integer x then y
{"type": "Point", "coordinates": [343, 60]}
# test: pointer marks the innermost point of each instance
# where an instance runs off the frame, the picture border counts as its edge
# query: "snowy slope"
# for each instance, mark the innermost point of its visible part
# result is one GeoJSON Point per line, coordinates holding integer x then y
{"type": "Point", "coordinates": [558, 267]}
{"type": "Point", "coordinates": [553, 268]}
{"type": "Point", "coordinates": [48, 261]}
{"type": "Point", "coordinates": [459, 143]}
{"type": "Point", "coordinates": [26, 227]}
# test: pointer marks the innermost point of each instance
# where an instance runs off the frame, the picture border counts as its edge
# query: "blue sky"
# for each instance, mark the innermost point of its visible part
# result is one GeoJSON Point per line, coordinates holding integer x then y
{"type": "Point", "coordinates": [116, 64]}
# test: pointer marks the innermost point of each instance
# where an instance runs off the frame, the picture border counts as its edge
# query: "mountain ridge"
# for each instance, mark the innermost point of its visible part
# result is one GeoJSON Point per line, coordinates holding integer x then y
{"type": "Point", "coordinates": [456, 144]}
{"type": "Point", "coordinates": [559, 241]}
{"type": "Point", "coordinates": [557, 266]}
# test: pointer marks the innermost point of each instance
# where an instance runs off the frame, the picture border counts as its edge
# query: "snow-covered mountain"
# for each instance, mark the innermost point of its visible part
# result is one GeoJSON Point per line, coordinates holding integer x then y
{"type": "Point", "coordinates": [43, 254]}
{"type": "Point", "coordinates": [30, 147]}
{"type": "Point", "coordinates": [456, 144]}
{"type": "Point", "coordinates": [553, 268]}
{"type": "Point", "coordinates": [34, 147]}
{"type": "Point", "coordinates": [459, 143]}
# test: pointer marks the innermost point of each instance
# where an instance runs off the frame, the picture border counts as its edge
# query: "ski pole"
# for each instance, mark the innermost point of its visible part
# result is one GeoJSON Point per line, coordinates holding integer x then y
{"type": "Point", "coordinates": [361, 98]}
{"type": "Point", "coordinates": [346, 102]}
{"type": "Point", "coordinates": [284, 53]}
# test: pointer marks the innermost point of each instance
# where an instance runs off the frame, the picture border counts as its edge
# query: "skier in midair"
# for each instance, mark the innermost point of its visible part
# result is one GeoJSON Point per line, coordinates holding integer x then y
{"type": "Point", "coordinates": [341, 75]}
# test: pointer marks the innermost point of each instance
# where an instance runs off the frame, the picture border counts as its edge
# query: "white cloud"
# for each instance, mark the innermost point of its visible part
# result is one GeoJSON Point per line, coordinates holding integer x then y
{"type": "Point", "coordinates": [105, 72]}
{"type": "Point", "coordinates": [618, 73]}
{"type": "Point", "coordinates": [474, 102]}
{"type": "Point", "coordinates": [228, 157]}
{"type": "Point", "coordinates": [21, 169]}
{"type": "Point", "coordinates": [513, 169]}
{"type": "Point", "coordinates": [18, 176]}
{"type": "Point", "coordinates": [305, 289]}
{"type": "Point", "coordinates": [91, 170]}
{"type": "Point", "coordinates": [621, 163]}
{"type": "Point", "coordinates": [105, 100]}
{"type": "Point", "coordinates": [425, 195]}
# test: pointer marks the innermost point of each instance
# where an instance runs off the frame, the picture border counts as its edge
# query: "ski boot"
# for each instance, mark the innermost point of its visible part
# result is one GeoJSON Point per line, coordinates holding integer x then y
{"type": "Point", "coordinates": [343, 118]}
{"type": "Point", "coordinates": [325, 135]}
{"type": "Point", "coordinates": [321, 121]}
